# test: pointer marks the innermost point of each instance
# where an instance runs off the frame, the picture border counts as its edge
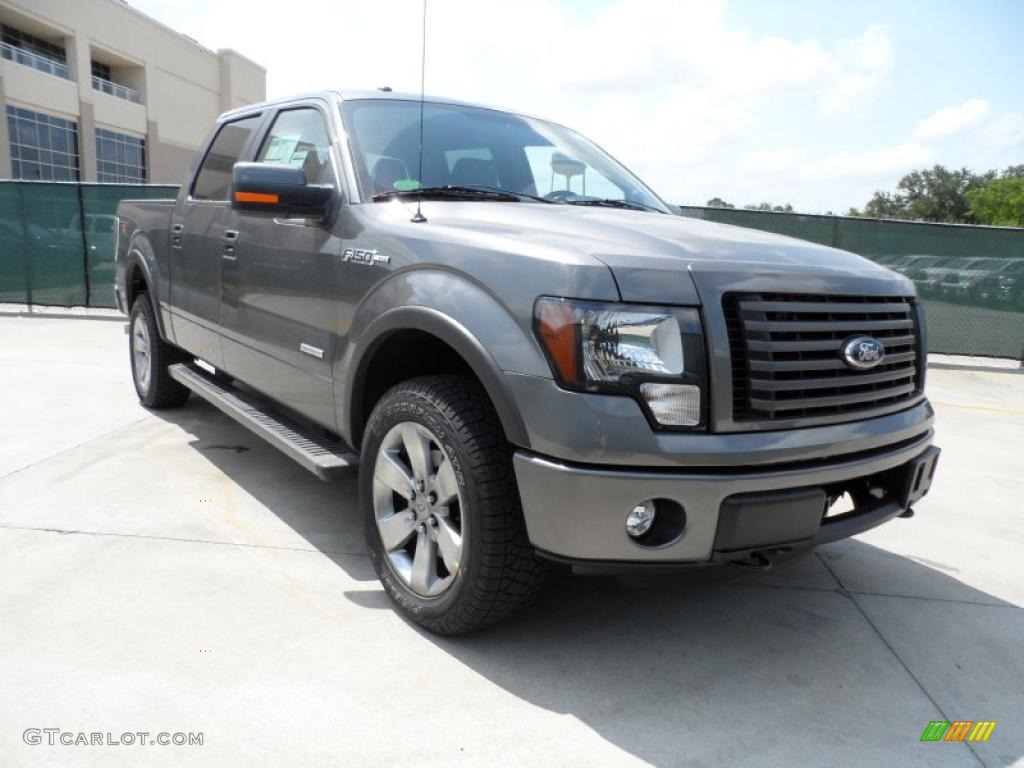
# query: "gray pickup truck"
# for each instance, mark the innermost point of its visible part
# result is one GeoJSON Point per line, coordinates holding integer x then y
{"type": "Point", "coordinates": [530, 358]}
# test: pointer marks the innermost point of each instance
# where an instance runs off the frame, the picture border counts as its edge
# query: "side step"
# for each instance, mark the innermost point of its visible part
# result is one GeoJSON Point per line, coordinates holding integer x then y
{"type": "Point", "coordinates": [321, 458]}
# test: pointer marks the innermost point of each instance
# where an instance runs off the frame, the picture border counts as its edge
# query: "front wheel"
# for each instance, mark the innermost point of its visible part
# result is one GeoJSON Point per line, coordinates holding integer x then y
{"type": "Point", "coordinates": [442, 515]}
{"type": "Point", "coordinates": [150, 358]}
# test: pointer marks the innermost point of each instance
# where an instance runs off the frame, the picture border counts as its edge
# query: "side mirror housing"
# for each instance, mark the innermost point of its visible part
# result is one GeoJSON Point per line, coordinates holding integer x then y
{"type": "Point", "coordinates": [277, 189]}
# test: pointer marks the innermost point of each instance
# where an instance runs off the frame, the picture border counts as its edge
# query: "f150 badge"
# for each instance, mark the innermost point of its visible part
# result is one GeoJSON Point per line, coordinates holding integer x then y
{"type": "Point", "coordinates": [362, 256]}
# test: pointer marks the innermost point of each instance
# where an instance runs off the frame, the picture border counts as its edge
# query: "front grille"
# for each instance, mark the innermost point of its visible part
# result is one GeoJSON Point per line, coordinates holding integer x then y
{"type": "Point", "coordinates": [786, 361]}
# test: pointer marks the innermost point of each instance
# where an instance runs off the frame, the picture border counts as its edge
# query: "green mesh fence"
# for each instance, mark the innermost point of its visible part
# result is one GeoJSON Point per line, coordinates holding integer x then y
{"type": "Point", "coordinates": [57, 241]}
{"type": "Point", "coordinates": [57, 249]}
{"type": "Point", "coordinates": [970, 279]}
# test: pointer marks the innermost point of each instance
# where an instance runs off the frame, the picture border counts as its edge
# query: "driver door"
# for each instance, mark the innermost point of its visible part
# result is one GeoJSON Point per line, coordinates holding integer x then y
{"type": "Point", "coordinates": [279, 312]}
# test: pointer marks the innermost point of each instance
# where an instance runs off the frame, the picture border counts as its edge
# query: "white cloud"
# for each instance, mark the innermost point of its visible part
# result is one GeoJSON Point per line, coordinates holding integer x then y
{"type": "Point", "coordinates": [768, 162]}
{"type": "Point", "coordinates": [950, 121]}
{"type": "Point", "coordinates": [668, 86]}
{"type": "Point", "coordinates": [1005, 131]}
{"type": "Point", "coordinates": [887, 162]}
{"type": "Point", "coordinates": [860, 68]}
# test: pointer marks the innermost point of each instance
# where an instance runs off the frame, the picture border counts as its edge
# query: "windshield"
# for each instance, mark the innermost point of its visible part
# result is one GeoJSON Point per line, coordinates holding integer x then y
{"type": "Point", "coordinates": [473, 147]}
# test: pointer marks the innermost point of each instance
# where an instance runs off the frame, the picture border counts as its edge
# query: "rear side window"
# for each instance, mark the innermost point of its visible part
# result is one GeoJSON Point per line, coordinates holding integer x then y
{"type": "Point", "coordinates": [214, 179]}
{"type": "Point", "coordinates": [298, 138]}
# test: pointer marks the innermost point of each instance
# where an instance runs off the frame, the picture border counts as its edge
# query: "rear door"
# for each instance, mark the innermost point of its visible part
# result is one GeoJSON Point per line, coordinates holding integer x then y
{"type": "Point", "coordinates": [197, 226]}
{"type": "Point", "coordinates": [280, 306]}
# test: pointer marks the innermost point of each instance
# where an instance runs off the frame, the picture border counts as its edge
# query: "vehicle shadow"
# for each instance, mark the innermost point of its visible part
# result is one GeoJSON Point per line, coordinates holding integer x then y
{"type": "Point", "coordinates": [824, 658]}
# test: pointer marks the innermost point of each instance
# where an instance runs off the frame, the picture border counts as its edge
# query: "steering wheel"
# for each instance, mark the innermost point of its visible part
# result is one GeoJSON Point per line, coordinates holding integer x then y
{"type": "Point", "coordinates": [560, 195]}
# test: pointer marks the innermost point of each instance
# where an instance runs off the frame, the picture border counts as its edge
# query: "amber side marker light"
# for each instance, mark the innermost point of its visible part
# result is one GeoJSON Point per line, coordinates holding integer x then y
{"type": "Point", "coordinates": [254, 197]}
{"type": "Point", "coordinates": [556, 323]}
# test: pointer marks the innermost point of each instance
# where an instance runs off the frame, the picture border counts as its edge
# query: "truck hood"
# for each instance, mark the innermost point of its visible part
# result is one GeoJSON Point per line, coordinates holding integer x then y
{"type": "Point", "coordinates": [660, 258]}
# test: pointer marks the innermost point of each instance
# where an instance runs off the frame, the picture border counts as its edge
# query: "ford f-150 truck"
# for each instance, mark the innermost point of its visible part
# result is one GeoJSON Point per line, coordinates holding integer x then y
{"type": "Point", "coordinates": [528, 355]}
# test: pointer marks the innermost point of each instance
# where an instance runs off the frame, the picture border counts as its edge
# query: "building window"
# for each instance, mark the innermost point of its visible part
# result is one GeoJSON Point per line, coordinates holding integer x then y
{"type": "Point", "coordinates": [103, 81]}
{"type": "Point", "coordinates": [42, 147]}
{"type": "Point", "coordinates": [32, 51]}
{"type": "Point", "coordinates": [102, 71]}
{"type": "Point", "coordinates": [120, 159]}
{"type": "Point", "coordinates": [32, 44]}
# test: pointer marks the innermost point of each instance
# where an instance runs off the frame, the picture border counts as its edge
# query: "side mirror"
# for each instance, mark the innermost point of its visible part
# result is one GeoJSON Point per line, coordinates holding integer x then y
{"type": "Point", "coordinates": [277, 189]}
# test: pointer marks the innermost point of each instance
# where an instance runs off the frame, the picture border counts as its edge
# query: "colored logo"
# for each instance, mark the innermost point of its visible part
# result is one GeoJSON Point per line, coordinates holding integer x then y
{"type": "Point", "coordinates": [958, 730]}
{"type": "Point", "coordinates": [862, 352]}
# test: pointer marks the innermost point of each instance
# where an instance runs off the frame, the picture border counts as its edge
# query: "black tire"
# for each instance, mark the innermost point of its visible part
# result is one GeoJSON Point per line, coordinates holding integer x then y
{"type": "Point", "coordinates": [499, 572]}
{"type": "Point", "coordinates": [160, 391]}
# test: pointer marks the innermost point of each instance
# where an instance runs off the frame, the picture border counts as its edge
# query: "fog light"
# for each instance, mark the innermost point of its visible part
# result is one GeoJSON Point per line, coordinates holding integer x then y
{"type": "Point", "coordinates": [640, 519]}
{"type": "Point", "coordinates": [674, 405]}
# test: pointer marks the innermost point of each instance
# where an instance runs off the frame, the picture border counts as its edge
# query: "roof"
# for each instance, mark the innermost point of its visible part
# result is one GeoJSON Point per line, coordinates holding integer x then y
{"type": "Point", "coordinates": [351, 94]}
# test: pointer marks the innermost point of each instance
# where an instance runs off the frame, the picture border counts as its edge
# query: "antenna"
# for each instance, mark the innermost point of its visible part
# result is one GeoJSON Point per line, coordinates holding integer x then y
{"type": "Point", "coordinates": [419, 218]}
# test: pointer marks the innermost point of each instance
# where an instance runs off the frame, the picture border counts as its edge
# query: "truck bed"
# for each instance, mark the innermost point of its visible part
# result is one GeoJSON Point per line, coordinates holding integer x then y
{"type": "Point", "coordinates": [151, 219]}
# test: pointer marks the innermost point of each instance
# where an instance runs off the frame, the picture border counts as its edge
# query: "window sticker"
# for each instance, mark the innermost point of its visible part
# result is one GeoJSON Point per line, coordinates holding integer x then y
{"type": "Point", "coordinates": [281, 149]}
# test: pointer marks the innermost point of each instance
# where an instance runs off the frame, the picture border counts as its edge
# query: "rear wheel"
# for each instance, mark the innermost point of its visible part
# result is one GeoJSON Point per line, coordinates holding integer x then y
{"type": "Point", "coordinates": [150, 358]}
{"type": "Point", "coordinates": [442, 514]}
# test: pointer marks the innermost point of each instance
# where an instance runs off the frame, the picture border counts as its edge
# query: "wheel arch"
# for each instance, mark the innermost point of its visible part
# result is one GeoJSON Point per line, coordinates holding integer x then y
{"type": "Point", "coordinates": [136, 280]}
{"type": "Point", "coordinates": [383, 340]}
{"type": "Point", "coordinates": [138, 277]}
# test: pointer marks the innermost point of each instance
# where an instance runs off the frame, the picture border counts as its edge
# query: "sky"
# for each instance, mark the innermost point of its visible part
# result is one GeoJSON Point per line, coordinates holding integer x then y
{"type": "Point", "coordinates": [816, 104]}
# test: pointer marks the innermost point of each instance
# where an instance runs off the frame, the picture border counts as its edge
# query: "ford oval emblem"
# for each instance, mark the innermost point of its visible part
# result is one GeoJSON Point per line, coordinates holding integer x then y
{"type": "Point", "coordinates": [862, 352]}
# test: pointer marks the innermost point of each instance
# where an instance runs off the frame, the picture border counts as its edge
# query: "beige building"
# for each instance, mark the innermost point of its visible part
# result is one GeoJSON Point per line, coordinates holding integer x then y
{"type": "Point", "coordinates": [94, 90]}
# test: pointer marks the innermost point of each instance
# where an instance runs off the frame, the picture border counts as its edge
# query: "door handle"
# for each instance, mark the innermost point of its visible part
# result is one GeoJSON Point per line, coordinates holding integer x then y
{"type": "Point", "coordinates": [177, 230]}
{"type": "Point", "coordinates": [229, 240]}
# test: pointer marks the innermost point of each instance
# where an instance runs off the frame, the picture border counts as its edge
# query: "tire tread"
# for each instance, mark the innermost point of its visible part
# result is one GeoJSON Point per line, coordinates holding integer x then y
{"type": "Point", "coordinates": [510, 575]}
{"type": "Point", "coordinates": [164, 391]}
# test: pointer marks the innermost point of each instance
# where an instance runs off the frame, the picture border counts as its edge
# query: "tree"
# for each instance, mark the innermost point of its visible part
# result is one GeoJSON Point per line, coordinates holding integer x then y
{"type": "Point", "coordinates": [1000, 203]}
{"type": "Point", "coordinates": [717, 202]}
{"type": "Point", "coordinates": [940, 194]}
{"type": "Point", "coordinates": [884, 205]}
{"type": "Point", "coordinates": [931, 194]}
{"type": "Point", "coordinates": [787, 208]}
{"type": "Point", "coordinates": [958, 196]}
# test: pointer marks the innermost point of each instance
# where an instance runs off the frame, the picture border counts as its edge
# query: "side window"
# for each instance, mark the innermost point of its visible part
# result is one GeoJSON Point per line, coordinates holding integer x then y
{"type": "Point", "coordinates": [298, 138]}
{"type": "Point", "coordinates": [213, 181]}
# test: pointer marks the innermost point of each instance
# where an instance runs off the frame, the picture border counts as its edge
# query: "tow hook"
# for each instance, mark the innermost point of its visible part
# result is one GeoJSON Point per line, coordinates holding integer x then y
{"type": "Point", "coordinates": [753, 561]}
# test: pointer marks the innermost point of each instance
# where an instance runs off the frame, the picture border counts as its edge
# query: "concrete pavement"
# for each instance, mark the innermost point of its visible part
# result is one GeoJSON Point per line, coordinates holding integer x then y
{"type": "Point", "coordinates": [173, 573]}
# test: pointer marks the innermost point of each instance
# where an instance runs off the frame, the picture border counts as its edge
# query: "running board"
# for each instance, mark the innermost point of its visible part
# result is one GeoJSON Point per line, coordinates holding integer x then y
{"type": "Point", "coordinates": [320, 457]}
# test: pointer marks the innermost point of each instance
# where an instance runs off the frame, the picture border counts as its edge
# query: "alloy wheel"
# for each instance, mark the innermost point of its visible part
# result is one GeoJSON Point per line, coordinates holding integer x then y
{"type": "Point", "coordinates": [142, 352]}
{"type": "Point", "coordinates": [417, 506]}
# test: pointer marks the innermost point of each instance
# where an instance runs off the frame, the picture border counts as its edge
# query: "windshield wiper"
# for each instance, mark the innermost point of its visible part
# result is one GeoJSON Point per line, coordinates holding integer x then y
{"type": "Point", "coordinates": [613, 203]}
{"type": "Point", "coordinates": [454, 192]}
{"type": "Point", "coordinates": [520, 195]}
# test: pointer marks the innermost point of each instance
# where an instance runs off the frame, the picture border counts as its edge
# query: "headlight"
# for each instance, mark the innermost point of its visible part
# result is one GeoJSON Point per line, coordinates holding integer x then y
{"type": "Point", "coordinates": [653, 354]}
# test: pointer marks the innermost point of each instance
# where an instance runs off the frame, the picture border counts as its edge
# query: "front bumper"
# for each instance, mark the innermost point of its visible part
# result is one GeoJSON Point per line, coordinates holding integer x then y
{"type": "Point", "coordinates": [577, 512]}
